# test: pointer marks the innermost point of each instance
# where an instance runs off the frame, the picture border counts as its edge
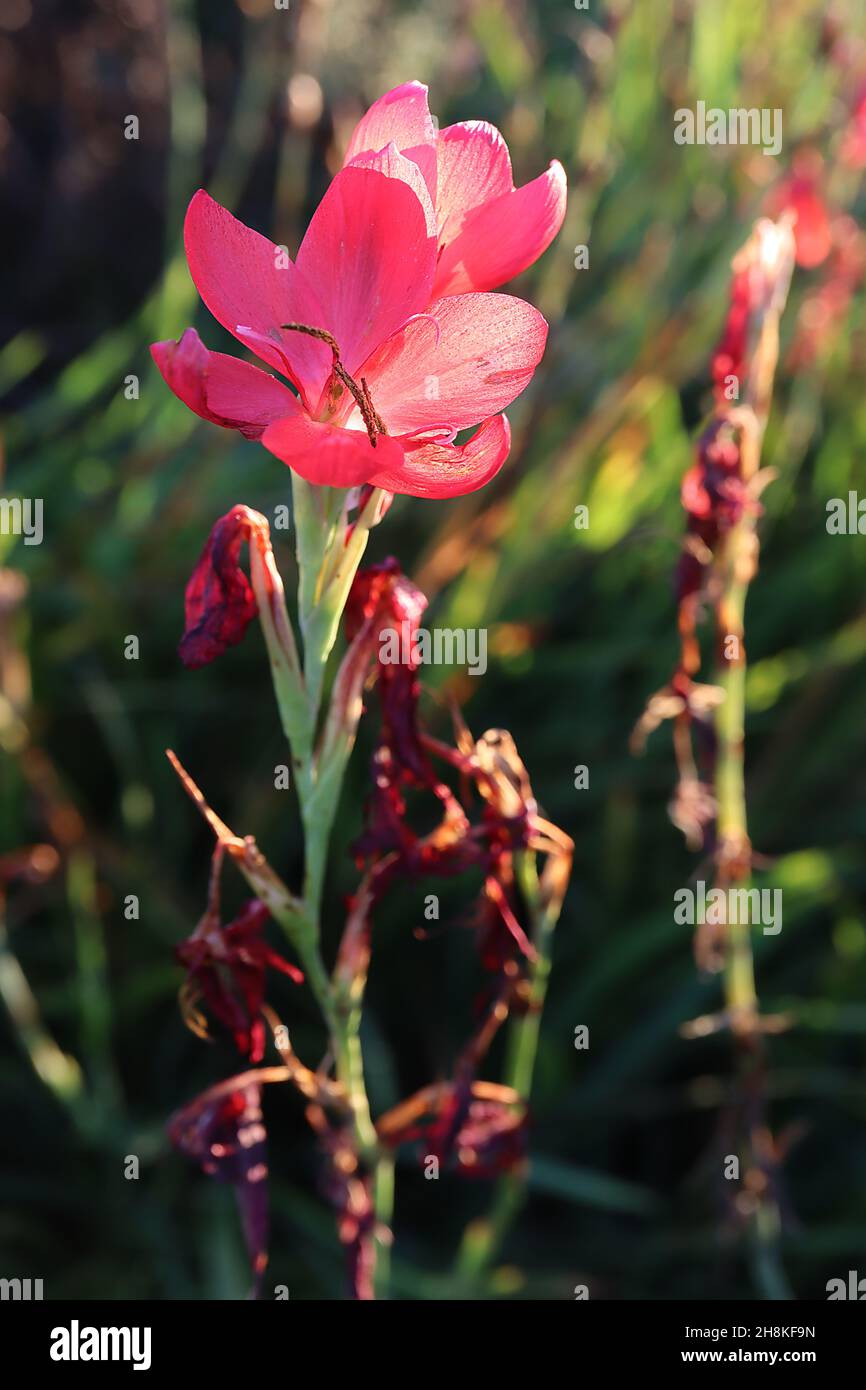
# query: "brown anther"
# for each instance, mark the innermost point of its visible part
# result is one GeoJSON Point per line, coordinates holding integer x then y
{"type": "Point", "coordinates": [362, 400]}
{"type": "Point", "coordinates": [377, 419]}
{"type": "Point", "coordinates": [361, 394]}
{"type": "Point", "coordinates": [321, 333]}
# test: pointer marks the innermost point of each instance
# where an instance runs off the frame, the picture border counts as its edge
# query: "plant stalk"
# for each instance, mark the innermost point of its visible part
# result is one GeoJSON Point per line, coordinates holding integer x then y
{"type": "Point", "coordinates": [327, 565]}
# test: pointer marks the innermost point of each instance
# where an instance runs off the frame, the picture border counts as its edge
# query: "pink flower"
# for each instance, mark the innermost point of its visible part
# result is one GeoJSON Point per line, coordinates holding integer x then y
{"type": "Point", "coordinates": [488, 231]}
{"type": "Point", "coordinates": [387, 372]}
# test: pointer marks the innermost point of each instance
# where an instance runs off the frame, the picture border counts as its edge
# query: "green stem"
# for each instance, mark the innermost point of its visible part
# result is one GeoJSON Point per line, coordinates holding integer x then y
{"type": "Point", "coordinates": [383, 1201]}
{"type": "Point", "coordinates": [314, 509]}
{"type": "Point", "coordinates": [375, 1157]}
{"type": "Point", "coordinates": [734, 866]}
{"type": "Point", "coordinates": [327, 566]}
{"type": "Point", "coordinates": [525, 1031]}
{"type": "Point", "coordinates": [306, 943]}
{"type": "Point", "coordinates": [730, 723]}
{"type": "Point", "coordinates": [732, 821]}
{"type": "Point", "coordinates": [322, 601]}
{"type": "Point", "coordinates": [350, 1070]}
{"type": "Point", "coordinates": [337, 569]}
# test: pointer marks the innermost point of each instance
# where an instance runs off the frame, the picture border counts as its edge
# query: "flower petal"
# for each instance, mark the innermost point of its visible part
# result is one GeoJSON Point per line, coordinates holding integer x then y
{"type": "Point", "coordinates": [251, 287]}
{"type": "Point", "coordinates": [370, 252]}
{"type": "Point", "coordinates": [450, 470]}
{"type": "Point", "coordinates": [504, 236]}
{"type": "Point", "coordinates": [330, 455]}
{"type": "Point", "coordinates": [474, 166]}
{"type": "Point", "coordinates": [401, 116]}
{"type": "Point", "coordinates": [222, 389]}
{"type": "Point", "coordinates": [465, 359]}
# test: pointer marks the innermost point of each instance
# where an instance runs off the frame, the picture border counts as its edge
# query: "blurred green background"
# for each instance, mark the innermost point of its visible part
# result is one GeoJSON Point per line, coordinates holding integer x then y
{"type": "Point", "coordinates": [255, 103]}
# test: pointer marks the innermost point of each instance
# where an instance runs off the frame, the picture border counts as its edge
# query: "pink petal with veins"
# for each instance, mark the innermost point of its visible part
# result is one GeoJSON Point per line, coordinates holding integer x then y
{"type": "Point", "coordinates": [484, 354]}
{"type": "Point", "coordinates": [370, 252]}
{"type": "Point", "coordinates": [222, 389]}
{"type": "Point", "coordinates": [330, 455]}
{"type": "Point", "coordinates": [474, 167]}
{"type": "Point", "coordinates": [449, 470]}
{"type": "Point", "coordinates": [249, 283]}
{"type": "Point", "coordinates": [502, 237]}
{"type": "Point", "coordinates": [401, 116]}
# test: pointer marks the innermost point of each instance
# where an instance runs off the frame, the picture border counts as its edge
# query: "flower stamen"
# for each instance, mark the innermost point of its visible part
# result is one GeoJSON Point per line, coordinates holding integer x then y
{"type": "Point", "coordinates": [361, 394]}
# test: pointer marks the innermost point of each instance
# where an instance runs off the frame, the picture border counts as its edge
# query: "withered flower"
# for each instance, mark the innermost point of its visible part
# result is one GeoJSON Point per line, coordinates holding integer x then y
{"type": "Point", "coordinates": [226, 970]}
{"type": "Point", "coordinates": [477, 1129]}
{"type": "Point", "coordinates": [223, 1132]}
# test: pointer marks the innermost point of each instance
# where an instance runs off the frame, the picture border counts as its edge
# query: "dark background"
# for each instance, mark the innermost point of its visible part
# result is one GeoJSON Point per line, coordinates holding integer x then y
{"type": "Point", "coordinates": [625, 1192]}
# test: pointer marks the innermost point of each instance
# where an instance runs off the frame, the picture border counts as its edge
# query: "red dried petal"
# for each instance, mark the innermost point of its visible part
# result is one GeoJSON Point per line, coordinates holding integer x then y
{"type": "Point", "coordinates": [220, 603]}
